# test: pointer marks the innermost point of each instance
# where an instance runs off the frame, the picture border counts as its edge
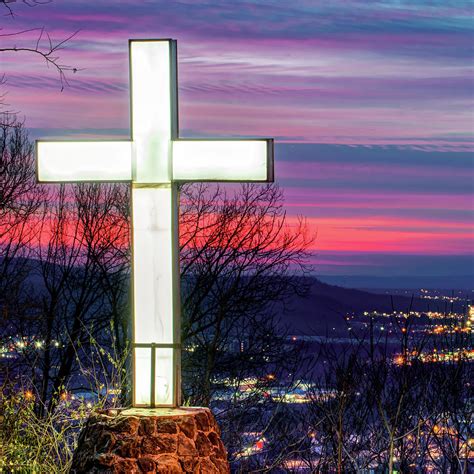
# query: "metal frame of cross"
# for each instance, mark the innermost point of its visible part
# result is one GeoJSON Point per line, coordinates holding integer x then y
{"type": "Point", "coordinates": [155, 161]}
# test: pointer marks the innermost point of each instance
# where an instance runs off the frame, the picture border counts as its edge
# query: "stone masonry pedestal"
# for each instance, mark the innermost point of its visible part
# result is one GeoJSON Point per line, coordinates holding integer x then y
{"type": "Point", "coordinates": [161, 440]}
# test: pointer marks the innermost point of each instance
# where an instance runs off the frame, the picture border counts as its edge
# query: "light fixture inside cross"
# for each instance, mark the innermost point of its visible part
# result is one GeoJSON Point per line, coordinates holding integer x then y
{"type": "Point", "coordinates": [154, 161]}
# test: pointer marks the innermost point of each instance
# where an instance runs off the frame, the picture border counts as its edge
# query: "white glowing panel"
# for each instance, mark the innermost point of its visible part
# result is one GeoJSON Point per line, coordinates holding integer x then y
{"type": "Point", "coordinates": [142, 375]}
{"type": "Point", "coordinates": [153, 288]}
{"type": "Point", "coordinates": [164, 368]}
{"type": "Point", "coordinates": [84, 161]}
{"type": "Point", "coordinates": [152, 262]}
{"type": "Point", "coordinates": [220, 160]}
{"type": "Point", "coordinates": [151, 109]}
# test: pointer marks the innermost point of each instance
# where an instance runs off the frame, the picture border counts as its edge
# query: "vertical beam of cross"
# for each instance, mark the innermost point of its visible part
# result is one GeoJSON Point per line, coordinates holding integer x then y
{"type": "Point", "coordinates": [156, 305]}
{"type": "Point", "coordinates": [155, 161]}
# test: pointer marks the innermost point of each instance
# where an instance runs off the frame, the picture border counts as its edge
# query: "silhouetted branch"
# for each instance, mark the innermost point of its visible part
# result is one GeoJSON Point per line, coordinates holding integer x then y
{"type": "Point", "coordinates": [48, 52]}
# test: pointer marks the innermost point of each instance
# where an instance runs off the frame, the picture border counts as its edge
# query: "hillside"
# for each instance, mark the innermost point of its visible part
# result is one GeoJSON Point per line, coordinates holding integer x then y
{"type": "Point", "coordinates": [326, 306]}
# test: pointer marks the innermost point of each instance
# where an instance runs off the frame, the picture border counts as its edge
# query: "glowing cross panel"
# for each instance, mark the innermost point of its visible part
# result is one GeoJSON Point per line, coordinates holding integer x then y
{"type": "Point", "coordinates": [154, 161]}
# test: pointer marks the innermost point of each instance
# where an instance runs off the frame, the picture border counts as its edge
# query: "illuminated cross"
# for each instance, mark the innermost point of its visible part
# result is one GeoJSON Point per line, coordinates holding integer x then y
{"type": "Point", "coordinates": [155, 161]}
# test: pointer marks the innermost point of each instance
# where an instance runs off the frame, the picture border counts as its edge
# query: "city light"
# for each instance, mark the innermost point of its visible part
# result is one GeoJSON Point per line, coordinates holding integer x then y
{"type": "Point", "coordinates": [29, 395]}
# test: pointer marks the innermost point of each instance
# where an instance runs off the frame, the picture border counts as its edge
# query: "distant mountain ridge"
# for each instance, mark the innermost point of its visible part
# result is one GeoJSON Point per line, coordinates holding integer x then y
{"type": "Point", "coordinates": [459, 282]}
{"type": "Point", "coordinates": [326, 306]}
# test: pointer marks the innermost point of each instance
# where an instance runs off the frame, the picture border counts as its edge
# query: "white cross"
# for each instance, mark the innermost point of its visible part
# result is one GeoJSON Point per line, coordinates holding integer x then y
{"type": "Point", "coordinates": [155, 161]}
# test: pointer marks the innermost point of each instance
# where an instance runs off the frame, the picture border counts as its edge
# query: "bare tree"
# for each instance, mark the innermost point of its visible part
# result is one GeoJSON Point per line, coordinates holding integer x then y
{"type": "Point", "coordinates": [239, 260]}
{"type": "Point", "coordinates": [81, 257]}
{"type": "Point", "coordinates": [20, 200]}
{"type": "Point", "coordinates": [450, 431]}
{"type": "Point", "coordinates": [338, 414]}
{"type": "Point", "coordinates": [240, 263]}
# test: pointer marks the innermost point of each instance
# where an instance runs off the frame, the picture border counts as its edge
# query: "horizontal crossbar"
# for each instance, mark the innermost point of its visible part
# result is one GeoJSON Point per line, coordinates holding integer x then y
{"type": "Point", "coordinates": [151, 345]}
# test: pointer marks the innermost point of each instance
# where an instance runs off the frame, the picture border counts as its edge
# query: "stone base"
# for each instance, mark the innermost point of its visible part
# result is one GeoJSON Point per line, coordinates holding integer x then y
{"type": "Point", "coordinates": [140, 440]}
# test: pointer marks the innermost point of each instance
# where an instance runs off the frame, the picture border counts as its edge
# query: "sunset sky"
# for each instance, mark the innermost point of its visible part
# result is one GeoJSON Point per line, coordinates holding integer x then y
{"type": "Point", "coordinates": [371, 104]}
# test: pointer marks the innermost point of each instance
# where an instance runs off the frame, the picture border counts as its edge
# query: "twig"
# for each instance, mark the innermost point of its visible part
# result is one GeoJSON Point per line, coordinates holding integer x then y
{"type": "Point", "coordinates": [47, 54]}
